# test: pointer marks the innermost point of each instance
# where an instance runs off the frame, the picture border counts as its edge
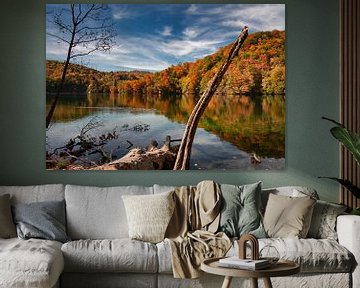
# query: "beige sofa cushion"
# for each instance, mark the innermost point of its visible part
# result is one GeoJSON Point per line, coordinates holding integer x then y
{"type": "Point", "coordinates": [98, 213]}
{"type": "Point", "coordinates": [30, 263]}
{"type": "Point", "coordinates": [287, 216]}
{"type": "Point", "coordinates": [291, 191]}
{"type": "Point", "coordinates": [149, 215]}
{"type": "Point", "coordinates": [117, 255]}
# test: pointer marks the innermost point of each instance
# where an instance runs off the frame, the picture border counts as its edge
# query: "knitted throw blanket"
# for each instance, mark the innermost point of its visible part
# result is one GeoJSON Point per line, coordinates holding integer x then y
{"type": "Point", "coordinates": [191, 232]}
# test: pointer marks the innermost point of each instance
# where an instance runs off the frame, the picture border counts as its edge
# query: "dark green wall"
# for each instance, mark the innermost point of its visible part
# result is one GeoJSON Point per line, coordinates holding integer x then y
{"type": "Point", "coordinates": [311, 92]}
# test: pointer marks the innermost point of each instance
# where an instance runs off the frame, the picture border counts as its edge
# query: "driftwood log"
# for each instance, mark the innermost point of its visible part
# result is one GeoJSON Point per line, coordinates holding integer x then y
{"type": "Point", "coordinates": [152, 158]}
{"type": "Point", "coordinates": [183, 156]}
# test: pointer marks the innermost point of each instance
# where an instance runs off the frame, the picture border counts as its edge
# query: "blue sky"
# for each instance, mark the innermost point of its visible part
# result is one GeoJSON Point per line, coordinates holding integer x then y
{"type": "Point", "coordinates": [155, 36]}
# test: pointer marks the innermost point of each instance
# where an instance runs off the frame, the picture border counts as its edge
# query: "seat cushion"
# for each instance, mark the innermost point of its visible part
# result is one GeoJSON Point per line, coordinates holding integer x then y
{"type": "Point", "coordinates": [313, 255]}
{"type": "Point", "coordinates": [30, 263]}
{"type": "Point", "coordinates": [117, 255]}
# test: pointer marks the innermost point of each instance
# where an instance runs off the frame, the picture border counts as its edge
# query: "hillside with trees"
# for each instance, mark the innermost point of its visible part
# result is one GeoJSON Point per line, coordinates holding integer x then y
{"type": "Point", "coordinates": [258, 69]}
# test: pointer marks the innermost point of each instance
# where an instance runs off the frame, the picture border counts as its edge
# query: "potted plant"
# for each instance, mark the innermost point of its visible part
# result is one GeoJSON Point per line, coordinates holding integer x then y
{"type": "Point", "coordinates": [351, 141]}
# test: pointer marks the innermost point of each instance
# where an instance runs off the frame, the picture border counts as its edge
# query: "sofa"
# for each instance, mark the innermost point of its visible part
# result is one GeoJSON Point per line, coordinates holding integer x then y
{"type": "Point", "coordinates": [101, 254]}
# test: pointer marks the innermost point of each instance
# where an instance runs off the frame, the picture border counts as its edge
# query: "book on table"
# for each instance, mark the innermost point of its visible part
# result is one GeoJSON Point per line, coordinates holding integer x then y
{"type": "Point", "coordinates": [249, 264]}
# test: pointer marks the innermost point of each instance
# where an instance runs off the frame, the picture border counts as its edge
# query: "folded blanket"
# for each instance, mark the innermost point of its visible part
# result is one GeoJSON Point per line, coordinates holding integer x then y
{"type": "Point", "coordinates": [191, 231]}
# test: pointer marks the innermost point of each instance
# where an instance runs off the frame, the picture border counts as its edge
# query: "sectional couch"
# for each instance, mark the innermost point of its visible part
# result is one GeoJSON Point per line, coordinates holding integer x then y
{"type": "Point", "coordinates": [100, 253]}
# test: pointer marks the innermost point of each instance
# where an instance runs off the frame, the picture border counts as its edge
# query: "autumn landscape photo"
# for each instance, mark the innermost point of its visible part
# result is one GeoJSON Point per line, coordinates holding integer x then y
{"type": "Point", "coordinates": [123, 82]}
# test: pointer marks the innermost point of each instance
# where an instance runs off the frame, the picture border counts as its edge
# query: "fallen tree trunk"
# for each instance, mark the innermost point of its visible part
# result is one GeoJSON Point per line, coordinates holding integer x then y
{"type": "Point", "coordinates": [139, 159]}
{"type": "Point", "coordinates": [183, 156]}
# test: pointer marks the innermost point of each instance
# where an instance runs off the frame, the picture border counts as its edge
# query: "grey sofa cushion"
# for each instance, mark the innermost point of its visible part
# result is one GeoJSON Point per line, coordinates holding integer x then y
{"type": "Point", "coordinates": [98, 213]}
{"type": "Point", "coordinates": [117, 255]}
{"type": "Point", "coordinates": [30, 263]}
{"type": "Point", "coordinates": [44, 220]}
{"type": "Point", "coordinates": [34, 193]}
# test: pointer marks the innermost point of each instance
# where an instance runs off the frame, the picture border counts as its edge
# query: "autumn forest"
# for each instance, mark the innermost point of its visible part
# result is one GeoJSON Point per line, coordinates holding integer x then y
{"type": "Point", "coordinates": [245, 117]}
{"type": "Point", "coordinates": [259, 69]}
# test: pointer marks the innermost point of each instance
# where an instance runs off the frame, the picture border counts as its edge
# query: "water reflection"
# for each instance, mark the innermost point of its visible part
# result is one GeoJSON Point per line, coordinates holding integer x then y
{"type": "Point", "coordinates": [253, 124]}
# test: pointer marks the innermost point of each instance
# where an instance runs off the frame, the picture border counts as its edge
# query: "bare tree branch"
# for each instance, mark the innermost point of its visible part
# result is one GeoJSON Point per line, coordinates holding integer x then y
{"type": "Point", "coordinates": [88, 31]}
{"type": "Point", "coordinates": [58, 37]}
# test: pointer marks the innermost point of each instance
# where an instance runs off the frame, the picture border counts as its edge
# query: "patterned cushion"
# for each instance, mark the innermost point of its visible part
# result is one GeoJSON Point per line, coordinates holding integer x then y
{"type": "Point", "coordinates": [149, 215]}
{"type": "Point", "coordinates": [323, 223]}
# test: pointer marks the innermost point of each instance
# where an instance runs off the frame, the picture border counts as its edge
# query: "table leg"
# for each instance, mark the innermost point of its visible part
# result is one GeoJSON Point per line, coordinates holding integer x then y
{"type": "Point", "coordinates": [254, 282]}
{"type": "Point", "coordinates": [227, 282]}
{"type": "Point", "coordinates": [267, 283]}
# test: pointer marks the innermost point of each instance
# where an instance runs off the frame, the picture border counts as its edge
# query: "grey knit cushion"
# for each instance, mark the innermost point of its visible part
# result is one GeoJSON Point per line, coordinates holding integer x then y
{"type": "Point", "coordinates": [43, 220]}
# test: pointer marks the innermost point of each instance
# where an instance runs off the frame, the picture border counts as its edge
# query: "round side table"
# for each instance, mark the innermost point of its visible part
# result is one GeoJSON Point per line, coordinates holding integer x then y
{"type": "Point", "coordinates": [281, 268]}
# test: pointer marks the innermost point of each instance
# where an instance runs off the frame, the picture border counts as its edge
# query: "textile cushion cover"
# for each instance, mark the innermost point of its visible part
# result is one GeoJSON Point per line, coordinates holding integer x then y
{"type": "Point", "coordinates": [98, 213]}
{"type": "Point", "coordinates": [44, 220]}
{"type": "Point", "coordinates": [109, 280]}
{"type": "Point", "coordinates": [287, 216]}
{"type": "Point", "coordinates": [323, 222]}
{"type": "Point", "coordinates": [240, 210]}
{"type": "Point", "coordinates": [292, 191]}
{"type": "Point", "coordinates": [116, 255]}
{"type": "Point", "coordinates": [7, 226]}
{"type": "Point", "coordinates": [31, 263]}
{"type": "Point", "coordinates": [313, 255]}
{"type": "Point", "coordinates": [149, 215]}
{"type": "Point", "coordinates": [34, 193]}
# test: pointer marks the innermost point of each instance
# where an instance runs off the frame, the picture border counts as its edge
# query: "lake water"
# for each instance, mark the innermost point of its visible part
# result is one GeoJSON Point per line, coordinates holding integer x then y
{"type": "Point", "coordinates": [231, 128]}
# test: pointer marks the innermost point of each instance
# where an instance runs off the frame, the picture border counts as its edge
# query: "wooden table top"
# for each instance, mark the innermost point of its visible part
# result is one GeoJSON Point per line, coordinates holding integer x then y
{"type": "Point", "coordinates": [281, 268]}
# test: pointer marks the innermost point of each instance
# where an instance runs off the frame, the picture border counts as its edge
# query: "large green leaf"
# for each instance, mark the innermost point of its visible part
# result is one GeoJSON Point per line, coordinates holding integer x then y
{"type": "Point", "coordinates": [348, 185]}
{"type": "Point", "coordinates": [348, 138]}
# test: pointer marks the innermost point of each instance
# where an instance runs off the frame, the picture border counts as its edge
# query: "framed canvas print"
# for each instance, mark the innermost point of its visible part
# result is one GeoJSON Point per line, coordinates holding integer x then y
{"type": "Point", "coordinates": [165, 86]}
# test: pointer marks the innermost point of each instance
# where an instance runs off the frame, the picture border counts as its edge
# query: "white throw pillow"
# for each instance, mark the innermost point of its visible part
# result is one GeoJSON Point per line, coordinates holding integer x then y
{"type": "Point", "coordinates": [149, 215]}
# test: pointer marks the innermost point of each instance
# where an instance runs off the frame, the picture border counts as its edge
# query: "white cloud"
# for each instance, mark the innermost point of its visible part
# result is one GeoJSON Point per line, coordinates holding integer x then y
{"type": "Point", "coordinates": [181, 48]}
{"type": "Point", "coordinates": [120, 12]}
{"type": "Point", "coordinates": [191, 32]}
{"type": "Point", "coordinates": [193, 9]}
{"type": "Point", "coordinates": [167, 31]}
{"type": "Point", "coordinates": [257, 17]}
{"type": "Point", "coordinates": [212, 27]}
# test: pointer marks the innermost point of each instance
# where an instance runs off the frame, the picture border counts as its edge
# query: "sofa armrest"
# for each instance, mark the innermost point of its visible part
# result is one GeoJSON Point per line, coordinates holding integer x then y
{"type": "Point", "coordinates": [348, 230]}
